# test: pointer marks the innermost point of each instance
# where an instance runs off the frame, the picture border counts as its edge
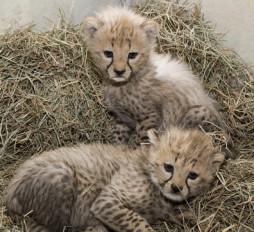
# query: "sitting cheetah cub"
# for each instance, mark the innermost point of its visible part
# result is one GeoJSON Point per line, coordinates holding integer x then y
{"type": "Point", "coordinates": [142, 88]}
{"type": "Point", "coordinates": [101, 187]}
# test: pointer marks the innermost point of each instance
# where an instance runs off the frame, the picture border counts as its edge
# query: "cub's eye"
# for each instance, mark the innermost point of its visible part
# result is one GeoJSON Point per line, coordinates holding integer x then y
{"type": "Point", "coordinates": [108, 54]}
{"type": "Point", "coordinates": [132, 55]}
{"type": "Point", "coordinates": [168, 168]}
{"type": "Point", "coordinates": [192, 175]}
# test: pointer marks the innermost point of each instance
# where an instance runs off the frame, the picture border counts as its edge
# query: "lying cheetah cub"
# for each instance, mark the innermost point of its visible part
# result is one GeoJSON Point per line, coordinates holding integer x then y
{"type": "Point", "coordinates": [100, 187]}
{"type": "Point", "coordinates": [142, 88]}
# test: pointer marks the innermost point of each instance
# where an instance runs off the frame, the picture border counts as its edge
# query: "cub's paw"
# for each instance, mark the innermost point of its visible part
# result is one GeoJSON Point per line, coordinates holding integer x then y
{"type": "Point", "coordinates": [134, 141]}
{"type": "Point", "coordinates": [183, 214]}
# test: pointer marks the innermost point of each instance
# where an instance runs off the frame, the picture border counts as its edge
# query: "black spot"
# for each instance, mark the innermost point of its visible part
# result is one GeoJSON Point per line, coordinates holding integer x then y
{"type": "Point", "coordinates": [137, 224]}
{"type": "Point", "coordinates": [134, 220]}
{"type": "Point", "coordinates": [117, 217]}
{"type": "Point", "coordinates": [203, 118]}
{"type": "Point", "coordinates": [106, 206]}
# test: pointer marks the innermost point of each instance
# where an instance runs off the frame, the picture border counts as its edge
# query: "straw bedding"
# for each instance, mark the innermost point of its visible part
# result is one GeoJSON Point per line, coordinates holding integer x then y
{"type": "Point", "coordinates": [50, 96]}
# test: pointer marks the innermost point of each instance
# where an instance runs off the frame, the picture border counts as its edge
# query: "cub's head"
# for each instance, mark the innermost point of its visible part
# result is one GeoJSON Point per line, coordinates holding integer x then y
{"type": "Point", "coordinates": [182, 162]}
{"type": "Point", "coordinates": [120, 42]}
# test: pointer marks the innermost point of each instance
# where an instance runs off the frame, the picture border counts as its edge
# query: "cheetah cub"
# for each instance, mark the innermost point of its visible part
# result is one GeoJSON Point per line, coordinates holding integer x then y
{"type": "Point", "coordinates": [142, 88]}
{"type": "Point", "coordinates": [101, 187]}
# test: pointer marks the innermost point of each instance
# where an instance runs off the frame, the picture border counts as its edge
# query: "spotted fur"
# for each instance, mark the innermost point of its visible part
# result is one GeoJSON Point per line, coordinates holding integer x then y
{"type": "Point", "coordinates": [142, 88]}
{"type": "Point", "coordinates": [100, 187]}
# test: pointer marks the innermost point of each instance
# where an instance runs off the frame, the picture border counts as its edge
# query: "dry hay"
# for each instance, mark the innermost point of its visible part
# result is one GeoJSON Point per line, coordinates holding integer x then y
{"type": "Point", "coordinates": [50, 95]}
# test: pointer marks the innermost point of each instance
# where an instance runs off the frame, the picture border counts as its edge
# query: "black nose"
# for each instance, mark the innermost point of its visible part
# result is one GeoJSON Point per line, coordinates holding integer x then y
{"type": "Point", "coordinates": [176, 188]}
{"type": "Point", "coordinates": [119, 72]}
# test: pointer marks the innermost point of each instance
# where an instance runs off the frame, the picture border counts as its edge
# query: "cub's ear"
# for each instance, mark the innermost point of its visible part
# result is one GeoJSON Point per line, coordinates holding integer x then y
{"type": "Point", "coordinates": [151, 29]}
{"type": "Point", "coordinates": [153, 136]}
{"type": "Point", "coordinates": [90, 25]}
{"type": "Point", "coordinates": [218, 161]}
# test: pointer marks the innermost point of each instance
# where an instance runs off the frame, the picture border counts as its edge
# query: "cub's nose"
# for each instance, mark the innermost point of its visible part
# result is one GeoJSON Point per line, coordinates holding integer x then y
{"type": "Point", "coordinates": [175, 188]}
{"type": "Point", "coordinates": [119, 72]}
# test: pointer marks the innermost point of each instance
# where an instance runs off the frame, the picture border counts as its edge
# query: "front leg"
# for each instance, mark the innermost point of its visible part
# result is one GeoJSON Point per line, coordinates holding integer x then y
{"type": "Point", "coordinates": [137, 137]}
{"type": "Point", "coordinates": [150, 121]}
{"type": "Point", "coordinates": [114, 214]}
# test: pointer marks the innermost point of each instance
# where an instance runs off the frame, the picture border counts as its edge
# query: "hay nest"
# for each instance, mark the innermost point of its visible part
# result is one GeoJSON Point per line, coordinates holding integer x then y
{"type": "Point", "coordinates": [50, 96]}
{"type": "Point", "coordinates": [50, 93]}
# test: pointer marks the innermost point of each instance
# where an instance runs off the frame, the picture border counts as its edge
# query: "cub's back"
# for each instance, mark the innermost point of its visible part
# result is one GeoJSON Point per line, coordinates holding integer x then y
{"type": "Point", "coordinates": [180, 78]}
{"type": "Point", "coordinates": [82, 159]}
{"type": "Point", "coordinates": [54, 181]}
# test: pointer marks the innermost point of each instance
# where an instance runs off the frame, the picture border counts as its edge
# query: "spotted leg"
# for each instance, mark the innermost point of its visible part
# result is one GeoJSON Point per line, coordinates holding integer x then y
{"type": "Point", "coordinates": [109, 210]}
{"type": "Point", "coordinates": [140, 134]}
